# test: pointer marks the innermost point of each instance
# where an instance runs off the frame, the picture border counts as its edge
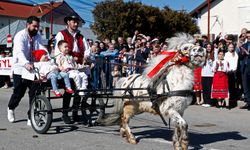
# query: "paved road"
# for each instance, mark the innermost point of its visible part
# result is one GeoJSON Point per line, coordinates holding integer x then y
{"type": "Point", "coordinates": [209, 129]}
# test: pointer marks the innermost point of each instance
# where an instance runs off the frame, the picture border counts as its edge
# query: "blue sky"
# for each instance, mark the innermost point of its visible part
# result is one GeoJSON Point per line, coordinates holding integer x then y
{"type": "Point", "coordinates": [174, 4]}
{"type": "Point", "coordinates": [84, 7]}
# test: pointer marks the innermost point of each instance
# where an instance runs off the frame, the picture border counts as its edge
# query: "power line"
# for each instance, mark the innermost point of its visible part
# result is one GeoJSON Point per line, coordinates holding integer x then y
{"type": "Point", "coordinates": [85, 8]}
{"type": "Point", "coordinates": [86, 3]}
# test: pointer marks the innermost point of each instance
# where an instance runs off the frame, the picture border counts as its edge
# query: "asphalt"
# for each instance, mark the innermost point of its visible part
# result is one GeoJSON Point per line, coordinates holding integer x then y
{"type": "Point", "coordinates": [209, 129]}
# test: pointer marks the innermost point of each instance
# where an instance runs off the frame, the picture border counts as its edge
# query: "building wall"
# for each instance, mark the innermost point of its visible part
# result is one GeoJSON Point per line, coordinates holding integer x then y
{"type": "Point", "coordinates": [4, 21]}
{"type": "Point", "coordinates": [18, 24]}
{"type": "Point", "coordinates": [15, 26]}
{"type": "Point", "coordinates": [226, 16]}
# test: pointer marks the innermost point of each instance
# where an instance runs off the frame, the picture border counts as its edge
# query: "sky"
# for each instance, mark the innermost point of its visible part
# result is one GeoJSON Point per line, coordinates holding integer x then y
{"type": "Point", "coordinates": [84, 7]}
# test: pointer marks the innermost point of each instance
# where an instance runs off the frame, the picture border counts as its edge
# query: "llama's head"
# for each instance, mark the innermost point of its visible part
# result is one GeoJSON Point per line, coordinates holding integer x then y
{"type": "Point", "coordinates": [197, 56]}
{"type": "Point", "coordinates": [194, 56]}
{"type": "Point", "coordinates": [181, 51]}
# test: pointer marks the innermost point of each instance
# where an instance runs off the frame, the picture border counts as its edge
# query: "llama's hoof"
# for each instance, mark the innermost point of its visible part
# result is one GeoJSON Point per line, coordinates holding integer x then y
{"type": "Point", "coordinates": [178, 148]}
{"type": "Point", "coordinates": [184, 146]}
{"type": "Point", "coordinates": [132, 141]}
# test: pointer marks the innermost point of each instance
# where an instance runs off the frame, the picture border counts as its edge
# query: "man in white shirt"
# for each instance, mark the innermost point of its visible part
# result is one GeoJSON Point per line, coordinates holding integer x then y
{"type": "Point", "coordinates": [25, 41]}
{"type": "Point", "coordinates": [232, 58]}
{"type": "Point", "coordinates": [79, 49]}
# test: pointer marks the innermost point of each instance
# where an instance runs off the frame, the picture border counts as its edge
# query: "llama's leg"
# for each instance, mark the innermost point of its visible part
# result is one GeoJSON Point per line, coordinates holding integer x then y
{"type": "Point", "coordinates": [130, 109]}
{"type": "Point", "coordinates": [180, 137]}
{"type": "Point", "coordinates": [122, 129]}
{"type": "Point", "coordinates": [176, 138]}
{"type": "Point", "coordinates": [184, 136]}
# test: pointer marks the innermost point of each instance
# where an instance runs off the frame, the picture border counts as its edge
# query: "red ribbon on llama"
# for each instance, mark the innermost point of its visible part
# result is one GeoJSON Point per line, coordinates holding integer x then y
{"type": "Point", "coordinates": [162, 63]}
{"type": "Point", "coordinates": [181, 58]}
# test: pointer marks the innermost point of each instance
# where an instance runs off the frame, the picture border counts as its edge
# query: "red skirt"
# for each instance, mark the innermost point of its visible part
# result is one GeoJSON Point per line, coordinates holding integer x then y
{"type": "Point", "coordinates": [197, 79]}
{"type": "Point", "coordinates": [220, 85]}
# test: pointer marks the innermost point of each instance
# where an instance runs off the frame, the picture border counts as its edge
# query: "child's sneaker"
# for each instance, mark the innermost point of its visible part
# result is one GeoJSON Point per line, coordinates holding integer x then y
{"type": "Point", "coordinates": [28, 122]}
{"type": "Point", "coordinates": [81, 93]}
{"type": "Point", "coordinates": [5, 86]}
{"type": "Point", "coordinates": [11, 115]}
{"type": "Point", "coordinates": [69, 90]}
{"type": "Point", "coordinates": [57, 93]}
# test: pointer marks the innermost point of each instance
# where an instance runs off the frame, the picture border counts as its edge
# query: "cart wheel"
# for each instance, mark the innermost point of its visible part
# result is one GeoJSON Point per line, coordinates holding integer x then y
{"type": "Point", "coordinates": [41, 114]}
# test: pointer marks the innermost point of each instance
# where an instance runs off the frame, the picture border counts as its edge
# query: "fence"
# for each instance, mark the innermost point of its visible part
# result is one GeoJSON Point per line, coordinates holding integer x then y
{"type": "Point", "coordinates": [102, 74]}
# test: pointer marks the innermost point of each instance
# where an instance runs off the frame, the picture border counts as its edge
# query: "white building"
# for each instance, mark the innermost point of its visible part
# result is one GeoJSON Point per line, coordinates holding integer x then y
{"type": "Point", "coordinates": [13, 17]}
{"type": "Point", "coordinates": [226, 16]}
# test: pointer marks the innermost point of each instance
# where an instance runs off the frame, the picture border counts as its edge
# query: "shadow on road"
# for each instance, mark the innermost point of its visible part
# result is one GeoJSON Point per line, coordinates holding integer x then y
{"type": "Point", "coordinates": [21, 120]}
{"type": "Point", "coordinates": [195, 139]}
{"type": "Point", "coordinates": [62, 129]}
{"type": "Point", "coordinates": [207, 138]}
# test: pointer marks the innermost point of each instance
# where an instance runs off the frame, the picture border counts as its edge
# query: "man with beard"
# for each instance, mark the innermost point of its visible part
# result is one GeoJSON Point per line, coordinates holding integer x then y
{"type": "Point", "coordinates": [80, 50]}
{"type": "Point", "coordinates": [25, 41]}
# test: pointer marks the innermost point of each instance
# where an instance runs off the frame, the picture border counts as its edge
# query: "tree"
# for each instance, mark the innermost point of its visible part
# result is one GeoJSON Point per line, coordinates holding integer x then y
{"type": "Point", "coordinates": [113, 18]}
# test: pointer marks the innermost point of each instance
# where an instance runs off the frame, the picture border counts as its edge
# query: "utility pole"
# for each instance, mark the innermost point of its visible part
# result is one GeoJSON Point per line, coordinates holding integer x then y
{"type": "Point", "coordinates": [51, 17]}
{"type": "Point", "coordinates": [208, 19]}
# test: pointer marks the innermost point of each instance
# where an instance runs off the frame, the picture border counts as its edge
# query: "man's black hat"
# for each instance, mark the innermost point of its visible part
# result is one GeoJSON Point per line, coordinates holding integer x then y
{"type": "Point", "coordinates": [73, 17]}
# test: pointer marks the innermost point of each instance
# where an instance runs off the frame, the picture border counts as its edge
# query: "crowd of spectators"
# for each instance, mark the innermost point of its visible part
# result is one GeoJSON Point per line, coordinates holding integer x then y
{"type": "Point", "coordinates": [219, 82]}
{"type": "Point", "coordinates": [113, 59]}
{"type": "Point", "coordinates": [223, 80]}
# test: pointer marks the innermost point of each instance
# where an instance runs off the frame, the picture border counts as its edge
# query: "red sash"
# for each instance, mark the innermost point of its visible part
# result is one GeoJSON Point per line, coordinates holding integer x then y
{"type": "Point", "coordinates": [70, 39]}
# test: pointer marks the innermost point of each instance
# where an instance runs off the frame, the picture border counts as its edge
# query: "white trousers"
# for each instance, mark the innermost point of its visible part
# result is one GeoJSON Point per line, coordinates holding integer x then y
{"type": "Point", "coordinates": [80, 79]}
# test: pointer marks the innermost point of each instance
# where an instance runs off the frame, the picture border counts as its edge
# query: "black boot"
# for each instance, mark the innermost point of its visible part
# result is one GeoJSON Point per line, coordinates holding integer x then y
{"type": "Point", "coordinates": [84, 117]}
{"type": "Point", "coordinates": [228, 107]}
{"type": "Point", "coordinates": [100, 117]}
{"type": "Point", "coordinates": [102, 109]}
{"type": "Point", "coordinates": [75, 116]}
{"type": "Point", "coordinates": [84, 107]}
{"type": "Point", "coordinates": [66, 119]}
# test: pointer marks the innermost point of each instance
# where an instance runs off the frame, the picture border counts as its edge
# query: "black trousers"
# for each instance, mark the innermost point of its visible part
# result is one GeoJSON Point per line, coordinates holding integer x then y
{"type": "Point", "coordinates": [67, 98]}
{"type": "Point", "coordinates": [4, 79]}
{"type": "Point", "coordinates": [206, 88]}
{"type": "Point", "coordinates": [20, 87]}
{"type": "Point", "coordinates": [246, 85]}
{"type": "Point", "coordinates": [231, 85]}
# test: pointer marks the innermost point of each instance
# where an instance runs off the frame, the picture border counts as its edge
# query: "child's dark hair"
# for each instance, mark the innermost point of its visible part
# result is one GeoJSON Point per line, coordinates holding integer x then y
{"type": "Point", "coordinates": [234, 45]}
{"type": "Point", "coordinates": [221, 50]}
{"type": "Point", "coordinates": [61, 42]}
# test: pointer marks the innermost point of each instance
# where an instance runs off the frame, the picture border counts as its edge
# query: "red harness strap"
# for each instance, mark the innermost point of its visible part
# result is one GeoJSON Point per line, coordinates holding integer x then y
{"type": "Point", "coordinates": [170, 55]}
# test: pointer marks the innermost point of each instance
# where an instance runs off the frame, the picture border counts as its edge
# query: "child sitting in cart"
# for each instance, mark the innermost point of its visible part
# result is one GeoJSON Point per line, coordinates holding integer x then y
{"type": "Point", "coordinates": [48, 70]}
{"type": "Point", "coordinates": [67, 64]}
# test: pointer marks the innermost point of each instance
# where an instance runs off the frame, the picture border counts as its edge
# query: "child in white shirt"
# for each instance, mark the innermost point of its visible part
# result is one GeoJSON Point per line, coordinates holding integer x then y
{"type": "Point", "coordinates": [68, 65]}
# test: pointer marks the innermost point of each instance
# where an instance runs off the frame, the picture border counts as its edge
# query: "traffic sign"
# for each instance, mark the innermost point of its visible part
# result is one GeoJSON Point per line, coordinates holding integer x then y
{"type": "Point", "coordinates": [9, 40]}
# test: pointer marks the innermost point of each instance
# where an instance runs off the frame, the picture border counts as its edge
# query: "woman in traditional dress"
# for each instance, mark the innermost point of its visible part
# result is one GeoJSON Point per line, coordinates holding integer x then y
{"type": "Point", "coordinates": [198, 86]}
{"type": "Point", "coordinates": [220, 80]}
